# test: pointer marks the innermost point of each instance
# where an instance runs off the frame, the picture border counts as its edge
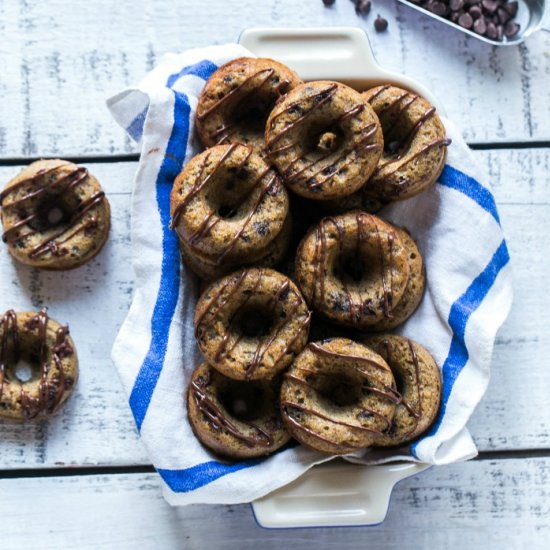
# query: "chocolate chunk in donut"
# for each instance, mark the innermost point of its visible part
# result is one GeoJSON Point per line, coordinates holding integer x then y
{"type": "Point", "coordinates": [38, 365]}
{"type": "Point", "coordinates": [252, 323]}
{"type": "Point", "coordinates": [55, 215]}
{"type": "Point", "coordinates": [233, 418]}
{"type": "Point", "coordinates": [237, 99]}
{"type": "Point", "coordinates": [418, 381]}
{"type": "Point", "coordinates": [353, 269]}
{"type": "Point", "coordinates": [338, 396]}
{"type": "Point", "coordinates": [324, 139]}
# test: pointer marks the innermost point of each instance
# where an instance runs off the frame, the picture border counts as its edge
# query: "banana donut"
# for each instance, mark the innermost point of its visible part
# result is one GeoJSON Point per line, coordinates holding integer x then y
{"type": "Point", "coordinates": [418, 381]}
{"type": "Point", "coordinates": [38, 365]}
{"type": "Point", "coordinates": [55, 215]}
{"type": "Point", "coordinates": [338, 396]}
{"type": "Point", "coordinates": [237, 99]}
{"type": "Point", "coordinates": [233, 418]}
{"type": "Point", "coordinates": [228, 205]}
{"type": "Point", "coordinates": [251, 324]}
{"type": "Point", "coordinates": [413, 291]}
{"type": "Point", "coordinates": [324, 139]}
{"type": "Point", "coordinates": [415, 144]}
{"type": "Point", "coordinates": [353, 269]}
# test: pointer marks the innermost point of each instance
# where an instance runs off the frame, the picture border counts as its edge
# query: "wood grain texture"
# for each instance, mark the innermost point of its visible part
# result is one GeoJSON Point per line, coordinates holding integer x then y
{"type": "Point", "coordinates": [481, 504]}
{"type": "Point", "coordinates": [96, 425]}
{"type": "Point", "coordinates": [60, 61]}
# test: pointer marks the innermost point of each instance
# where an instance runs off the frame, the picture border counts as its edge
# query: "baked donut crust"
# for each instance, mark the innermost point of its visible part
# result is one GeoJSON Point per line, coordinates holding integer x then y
{"type": "Point", "coordinates": [55, 215]}
{"type": "Point", "coordinates": [228, 205]}
{"type": "Point", "coordinates": [233, 418]}
{"type": "Point", "coordinates": [251, 324]}
{"type": "Point", "coordinates": [415, 144]}
{"type": "Point", "coordinates": [237, 99]}
{"type": "Point", "coordinates": [352, 269]}
{"type": "Point", "coordinates": [418, 380]}
{"type": "Point", "coordinates": [324, 139]}
{"type": "Point", "coordinates": [416, 283]}
{"type": "Point", "coordinates": [338, 396]}
{"type": "Point", "coordinates": [47, 350]}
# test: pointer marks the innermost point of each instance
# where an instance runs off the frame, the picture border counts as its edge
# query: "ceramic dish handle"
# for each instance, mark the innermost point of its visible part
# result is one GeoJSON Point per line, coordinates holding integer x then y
{"type": "Point", "coordinates": [334, 53]}
{"type": "Point", "coordinates": [335, 494]}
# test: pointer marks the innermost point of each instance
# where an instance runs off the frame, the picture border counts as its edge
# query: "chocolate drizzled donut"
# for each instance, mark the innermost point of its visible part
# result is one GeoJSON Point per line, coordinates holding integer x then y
{"type": "Point", "coordinates": [415, 144]}
{"type": "Point", "coordinates": [237, 99]}
{"type": "Point", "coordinates": [338, 396]}
{"type": "Point", "coordinates": [324, 139]}
{"type": "Point", "coordinates": [55, 215]}
{"type": "Point", "coordinates": [47, 352]}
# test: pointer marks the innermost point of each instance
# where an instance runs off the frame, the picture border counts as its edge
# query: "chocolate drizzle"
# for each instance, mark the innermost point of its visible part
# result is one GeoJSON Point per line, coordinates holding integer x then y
{"type": "Point", "coordinates": [50, 388]}
{"type": "Point", "coordinates": [218, 302]}
{"type": "Point", "coordinates": [57, 187]}
{"type": "Point", "coordinates": [219, 421]}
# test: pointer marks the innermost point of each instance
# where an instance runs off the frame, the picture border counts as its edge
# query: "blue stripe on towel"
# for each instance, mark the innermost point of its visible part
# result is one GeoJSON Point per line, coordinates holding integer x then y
{"type": "Point", "coordinates": [460, 313]}
{"type": "Point", "coordinates": [183, 481]}
{"type": "Point", "coordinates": [203, 69]}
{"type": "Point", "coordinates": [455, 179]}
{"type": "Point", "coordinates": [136, 126]}
{"type": "Point", "coordinates": [167, 297]}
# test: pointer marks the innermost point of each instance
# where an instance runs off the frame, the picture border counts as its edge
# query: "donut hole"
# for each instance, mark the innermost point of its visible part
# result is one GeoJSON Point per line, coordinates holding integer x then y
{"type": "Point", "coordinates": [227, 211]}
{"type": "Point", "coordinates": [322, 141]}
{"type": "Point", "coordinates": [251, 116]}
{"type": "Point", "coordinates": [350, 268]}
{"type": "Point", "coordinates": [399, 381]}
{"type": "Point", "coordinates": [243, 400]}
{"type": "Point", "coordinates": [252, 322]}
{"type": "Point", "coordinates": [50, 215]}
{"type": "Point", "coordinates": [24, 368]}
{"type": "Point", "coordinates": [339, 390]}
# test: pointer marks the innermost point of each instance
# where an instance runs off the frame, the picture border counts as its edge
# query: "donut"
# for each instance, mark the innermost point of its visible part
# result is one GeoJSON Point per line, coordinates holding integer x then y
{"type": "Point", "coordinates": [208, 269]}
{"type": "Point", "coordinates": [413, 291]}
{"type": "Point", "coordinates": [338, 396]}
{"type": "Point", "coordinates": [250, 324]}
{"type": "Point", "coordinates": [237, 99]}
{"type": "Point", "coordinates": [233, 418]}
{"type": "Point", "coordinates": [324, 139]}
{"type": "Point", "coordinates": [55, 215]}
{"type": "Point", "coordinates": [228, 205]}
{"type": "Point", "coordinates": [39, 347]}
{"type": "Point", "coordinates": [415, 144]}
{"type": "Point", "coordinates": [352, 269]}
{"type": "Point", "coordinates": [418, 380]}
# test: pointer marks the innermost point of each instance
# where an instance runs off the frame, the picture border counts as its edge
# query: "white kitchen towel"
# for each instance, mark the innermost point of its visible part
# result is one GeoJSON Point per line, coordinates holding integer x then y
{"type": "Point", "coordinates": [468, 296]}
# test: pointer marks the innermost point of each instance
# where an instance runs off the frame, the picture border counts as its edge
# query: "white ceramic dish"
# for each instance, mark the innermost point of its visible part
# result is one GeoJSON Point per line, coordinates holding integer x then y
{"type": "Point", "coordinates": [336, 493]}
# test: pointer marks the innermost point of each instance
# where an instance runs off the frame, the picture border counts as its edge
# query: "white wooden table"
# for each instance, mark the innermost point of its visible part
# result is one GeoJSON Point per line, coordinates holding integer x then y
{"type": "Point", "coordinates": [83, 480]}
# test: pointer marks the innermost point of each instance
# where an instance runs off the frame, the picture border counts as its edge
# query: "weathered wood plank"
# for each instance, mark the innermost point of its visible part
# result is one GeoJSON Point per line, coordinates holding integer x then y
{"type": "Point", "coordinates": [53, 90]}
{"type": "Point", "coordinates": [96, 426]}
{"type": "Point", "coordinates": [490, 504]}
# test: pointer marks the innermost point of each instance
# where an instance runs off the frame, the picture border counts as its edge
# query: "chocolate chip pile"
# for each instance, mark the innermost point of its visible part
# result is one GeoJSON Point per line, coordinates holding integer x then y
{"type": "Point", "coordinates": [493, 19]}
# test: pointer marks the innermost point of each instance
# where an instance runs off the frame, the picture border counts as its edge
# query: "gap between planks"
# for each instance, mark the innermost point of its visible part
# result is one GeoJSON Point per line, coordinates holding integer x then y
{"type": "Point", "coordinates": [149, 468]}
{"type": "Point", "coordinates": [134, 157]}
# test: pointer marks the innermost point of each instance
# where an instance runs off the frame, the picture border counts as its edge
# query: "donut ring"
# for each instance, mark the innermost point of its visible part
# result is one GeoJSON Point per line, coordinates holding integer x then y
{"type": "Point", "coordinates": [228, 205]}
{"type": "Point", "coordinates": [413, 291]}
{"type": "Point", "coordinates": [324, 139]}
{"type": "Point", "coordinates": [55, 215]}
{"type": "Point", "coordinates": [338, 396]}
{"type": "Point", "coordinates": [237, 99]}
{"type": "Point", "coordinates": [232, 418]}
{"type": "Point", "coordinates": [415, 144]}
{"type": "Point", "coordinates": [418, 380]}
{"type": "Point", "coordinates": [352, 269]}
{"type": "Point", "coordinates": [208, 269]}
{"type": "Point", "coordinates": [47, 352]}
{"type": "Point", "coordinates": [251, 324]}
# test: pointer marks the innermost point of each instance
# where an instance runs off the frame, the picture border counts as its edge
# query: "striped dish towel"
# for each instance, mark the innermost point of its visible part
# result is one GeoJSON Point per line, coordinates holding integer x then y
{"type": "Point", "coordinates": [468, 296]}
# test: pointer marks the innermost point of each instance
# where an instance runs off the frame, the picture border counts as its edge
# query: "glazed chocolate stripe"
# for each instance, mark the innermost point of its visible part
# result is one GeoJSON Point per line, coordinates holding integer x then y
{"type": "Point", "coordinates": [39, 174]}
{"type": "Point", "coordinates": [317, 349]}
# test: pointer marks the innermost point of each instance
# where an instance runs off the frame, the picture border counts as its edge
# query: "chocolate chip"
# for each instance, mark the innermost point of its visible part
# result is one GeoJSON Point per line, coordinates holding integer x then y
{"type": "Point", "coordinates": [511, 8]}
{"type": "Point", "coordinates": [455, 15]}
{"type": "Point", "coordinates": [491, 31]}
{"type": "Point", "coordinates": [380, 24]}
{"type": "Point", "coordinates": [480, 26]}
{"type": "Point", "coordinates": [362, 7]}
{"type": "Point", "coordinates": [490, 6]}
{"type": "Point", "coordinates": [500, 32]}
{"type": "Point", "coordinates": [511, 29]}
{"type": "Point", "coordinates": [456, 5]}
{"type": "Point", "coordinates": [439, 8]}
{"type": "Point", "coordinates": [328, 2]}
{"type": "Point", "coordinates": [475, 12]}
{"type": "Point", "coordinates": [466, 21]}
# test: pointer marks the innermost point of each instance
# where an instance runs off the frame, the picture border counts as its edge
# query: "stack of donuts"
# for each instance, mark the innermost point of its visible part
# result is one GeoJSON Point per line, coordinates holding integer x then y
{"type": "Point", "coordinates": [290, 179]}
